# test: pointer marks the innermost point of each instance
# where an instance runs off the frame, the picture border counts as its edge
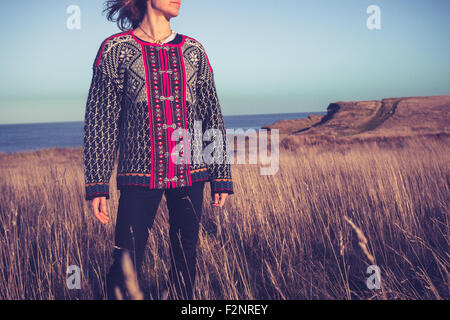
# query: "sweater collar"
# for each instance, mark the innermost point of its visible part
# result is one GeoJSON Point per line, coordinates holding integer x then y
{"type": "Point", "coordinates": [173, 38]}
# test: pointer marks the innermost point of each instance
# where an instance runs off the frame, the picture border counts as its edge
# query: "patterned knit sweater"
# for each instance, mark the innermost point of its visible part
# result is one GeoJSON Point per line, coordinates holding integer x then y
{"type": "Point", "coordinates": [141, 93]}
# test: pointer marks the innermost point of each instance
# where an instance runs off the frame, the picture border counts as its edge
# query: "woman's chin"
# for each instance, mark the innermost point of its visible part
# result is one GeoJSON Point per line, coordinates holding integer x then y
{"type": "Point", "coordinates": [172, 13]}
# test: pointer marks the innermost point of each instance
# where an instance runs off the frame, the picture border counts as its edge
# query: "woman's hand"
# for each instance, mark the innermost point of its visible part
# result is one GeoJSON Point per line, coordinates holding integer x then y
{"type": "Point", "coordinates": [219, 199]}
{"type": "Point", "coordinates": [101, 214]}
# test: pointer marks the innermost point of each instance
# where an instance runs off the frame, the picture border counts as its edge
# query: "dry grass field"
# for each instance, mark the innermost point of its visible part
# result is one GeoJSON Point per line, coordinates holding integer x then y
{"type": "Point", "coordinates": [308, 232]}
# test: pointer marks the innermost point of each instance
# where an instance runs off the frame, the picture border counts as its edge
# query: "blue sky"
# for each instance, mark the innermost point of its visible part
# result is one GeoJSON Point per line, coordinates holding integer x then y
{"type": "Point", "coordinates": [268, 56]}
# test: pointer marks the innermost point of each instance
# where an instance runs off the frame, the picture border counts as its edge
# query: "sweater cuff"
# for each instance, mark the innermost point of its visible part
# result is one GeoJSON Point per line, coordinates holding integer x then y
{"type": "Point", "coordinates": [94, 190]}
{"type": "Point", "coordinates": [222, 186]}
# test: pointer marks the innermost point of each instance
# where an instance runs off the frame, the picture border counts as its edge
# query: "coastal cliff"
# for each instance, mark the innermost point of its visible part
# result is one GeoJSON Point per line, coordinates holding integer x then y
{"type": "Point", "coordinates": [349, 121]}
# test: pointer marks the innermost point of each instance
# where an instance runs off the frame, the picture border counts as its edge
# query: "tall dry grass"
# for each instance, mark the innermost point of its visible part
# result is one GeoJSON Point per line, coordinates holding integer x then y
{"type": "Point", "coordinates": [296, 235]}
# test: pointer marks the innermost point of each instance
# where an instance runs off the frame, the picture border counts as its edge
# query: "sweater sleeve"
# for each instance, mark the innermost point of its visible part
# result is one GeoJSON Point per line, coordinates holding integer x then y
{"type": "Point", "coordinates": [101, 126]}
{"type": "Point", "coordinates": [219, 170]}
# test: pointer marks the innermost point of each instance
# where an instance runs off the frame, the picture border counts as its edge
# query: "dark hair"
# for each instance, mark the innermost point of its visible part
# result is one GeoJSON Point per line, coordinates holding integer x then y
{"type": "Point", "coordinates": [129, 12]}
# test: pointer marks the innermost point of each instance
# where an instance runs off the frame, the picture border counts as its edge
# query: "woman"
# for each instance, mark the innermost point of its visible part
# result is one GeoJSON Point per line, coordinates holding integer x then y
{"type": "Point", "coordinates": [153, 101]}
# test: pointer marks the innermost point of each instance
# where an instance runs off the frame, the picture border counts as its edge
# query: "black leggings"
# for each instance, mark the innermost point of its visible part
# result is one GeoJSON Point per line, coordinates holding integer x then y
{"type": "Point", "coordinates": [135, 216]}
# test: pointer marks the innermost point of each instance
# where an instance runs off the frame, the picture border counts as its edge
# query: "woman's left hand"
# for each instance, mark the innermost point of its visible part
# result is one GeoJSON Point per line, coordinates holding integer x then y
{"type": "Point", "coordinates": [219, 199]}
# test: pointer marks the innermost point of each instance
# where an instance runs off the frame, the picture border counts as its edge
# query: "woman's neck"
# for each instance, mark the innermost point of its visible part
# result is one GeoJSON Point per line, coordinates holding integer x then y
{"type": "Point", "coordinates": [155, 24]}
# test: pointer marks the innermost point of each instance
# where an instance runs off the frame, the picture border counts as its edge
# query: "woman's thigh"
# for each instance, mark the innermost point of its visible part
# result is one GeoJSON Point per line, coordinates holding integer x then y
{"type": "Point", "coordinates": [137, 209]}
{"type": "Point", "coordinates": [185, 204]}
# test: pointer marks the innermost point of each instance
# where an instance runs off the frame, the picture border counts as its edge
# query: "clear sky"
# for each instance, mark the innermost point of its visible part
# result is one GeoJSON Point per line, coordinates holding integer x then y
{"type": "Point", "coordinates": [268, 56]}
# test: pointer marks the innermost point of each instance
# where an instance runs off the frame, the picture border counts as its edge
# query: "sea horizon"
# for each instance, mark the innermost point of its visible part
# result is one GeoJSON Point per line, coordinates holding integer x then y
{"type": "Point", "coordinates": [17, 137]}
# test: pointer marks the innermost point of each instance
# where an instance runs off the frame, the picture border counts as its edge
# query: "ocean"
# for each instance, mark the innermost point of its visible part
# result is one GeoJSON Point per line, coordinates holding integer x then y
{"type": "Point", "coordinates": [34, 136]}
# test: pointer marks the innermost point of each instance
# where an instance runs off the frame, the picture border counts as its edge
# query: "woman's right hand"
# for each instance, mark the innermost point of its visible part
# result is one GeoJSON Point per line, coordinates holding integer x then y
{"type": "Point", "coordinates": [99, 207]}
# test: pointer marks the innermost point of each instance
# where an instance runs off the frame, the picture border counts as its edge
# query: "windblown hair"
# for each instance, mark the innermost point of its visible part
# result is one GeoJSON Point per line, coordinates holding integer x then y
{"type": "Point", "coordinates": [129, 12]}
